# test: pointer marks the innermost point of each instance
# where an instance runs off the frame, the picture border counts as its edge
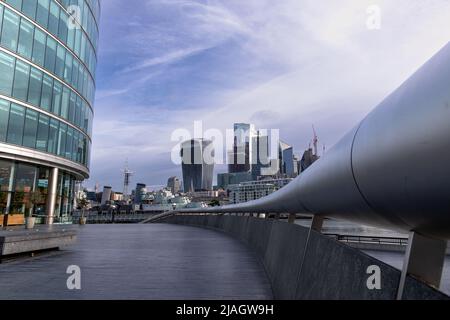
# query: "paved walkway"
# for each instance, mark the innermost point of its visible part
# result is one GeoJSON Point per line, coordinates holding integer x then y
{"type": "Point", "coordinates": [155, 261]}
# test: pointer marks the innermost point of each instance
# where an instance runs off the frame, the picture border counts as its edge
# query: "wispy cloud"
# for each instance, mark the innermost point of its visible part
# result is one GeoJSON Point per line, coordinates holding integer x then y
{"type": "Point", "coordinates": [165, 59]}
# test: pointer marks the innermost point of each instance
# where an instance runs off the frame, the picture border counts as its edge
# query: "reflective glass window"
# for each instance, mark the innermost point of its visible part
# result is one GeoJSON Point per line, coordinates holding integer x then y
{"type": "Point", "coordinates": [42, 12]}
{"type": "Point", "coordinates": [68, 68]}
{"type": "Point", "coordinates": [53, 136]}
{"type": "Point", "coordinates": [56, 99]}
{"type": "Point", "coordinates": [29, 8]}
{"type": "Point", "coordinates": [69, 143]}
{"type": "Point", "coordinates": [65, 103]}
{"type": "Point", "coordinates": [34, 88]}
{"type": "Point", "coordinates": [1, 18]}
{"type": "Point", "coordinates": [30, 129]}
{"type": "Point", "coordinates": [17, 4]}
{"type": "Point", "coordinates": [25, 39]}
{"type": "Point", "coordinates": [7, 73]}
{"type": "Point", "coordinates": [38, 47]}
{"type": "Point", "coordinates": [72, 107]}
{"type": "Point", "coordinates": [15, 124]}
{"type": "Point", "coordinates": [5, 175]}
{"type": "Point", "coordinates": [47, 89]}
{"type": "Point", "coordinates": [53, 18]}
{"type": "Point", "coordinates": [60, 56]}
{"type": "Point", "coordinates": [50, 55]}
{"type": "Point", "coordinates": [4, 116]}
{"type": "Point", "coordinates": [62, 139]}
{"type": "Point", "coordinates": [21, 79]}
{"type": "Point", "coordinates": [62, 30]}
{"type": "Point", "coordinates": [10, 30]}
{"type": "Point", "coordinates": [42, 134]}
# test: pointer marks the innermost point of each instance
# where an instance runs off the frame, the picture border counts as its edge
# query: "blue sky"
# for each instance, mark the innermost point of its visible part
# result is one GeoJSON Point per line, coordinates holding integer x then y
{"type": "Point", "coordinates": [286, 64]}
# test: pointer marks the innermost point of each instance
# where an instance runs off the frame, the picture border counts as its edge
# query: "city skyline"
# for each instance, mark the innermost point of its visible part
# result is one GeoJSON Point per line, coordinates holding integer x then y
{"type": "Point", "coordinates": [227, 61]}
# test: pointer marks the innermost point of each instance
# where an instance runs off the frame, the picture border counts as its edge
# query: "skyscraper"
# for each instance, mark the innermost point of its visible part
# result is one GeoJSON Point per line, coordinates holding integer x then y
{"type": "Point", "coordinates": [140, 192]}
{"type": "Point", "coordinates": [260, 155]}
{"type": "Point", "coordinates": [286, 158]}
{"type": "Point", "coordinates": [197, 164]}
{"type": "Point", "coordinates": [241, 155]}
{"type": "Point", "coordinates": [174, 185]}
{"type": "Point", "coordinates": [48, 56]}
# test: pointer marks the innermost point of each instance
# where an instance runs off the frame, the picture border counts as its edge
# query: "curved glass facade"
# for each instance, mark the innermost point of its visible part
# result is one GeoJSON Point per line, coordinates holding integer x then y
{"type": "Point", "coordinates": [48, 57]}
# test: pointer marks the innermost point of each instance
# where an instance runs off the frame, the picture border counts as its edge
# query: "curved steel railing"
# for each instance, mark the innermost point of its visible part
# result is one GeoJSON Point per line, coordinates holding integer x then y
{"type": "Point", "coordinates": [392, 170]}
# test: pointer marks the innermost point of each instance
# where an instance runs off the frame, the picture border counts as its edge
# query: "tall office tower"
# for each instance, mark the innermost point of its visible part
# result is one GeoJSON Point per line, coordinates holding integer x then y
{"type": "Point", "coordinates": [106, 195]}
{"type": "Point", "coordinates": [197, 164]}
{"type": "Point", "coordinates": [308, 159]}
{"type": "Point", "coordinates": [140, 192]}
{"type": "Point", "coordinates": [241, 155]}
{"type": "Point", "coordinates": [48, 56]}
{"type": "Point", "coordinates": [286, 160]}
{"type": "Point", "coordinates": [174, 185]}
{"type": "Point", "coordinates": [260, 155]}
{"type": "Point", "coordinates": [296, 165]}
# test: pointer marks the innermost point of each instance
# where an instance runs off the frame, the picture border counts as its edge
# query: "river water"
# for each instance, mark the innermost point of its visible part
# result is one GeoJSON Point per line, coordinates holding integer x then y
{"type": "Point", "coordinates": [394, 259]}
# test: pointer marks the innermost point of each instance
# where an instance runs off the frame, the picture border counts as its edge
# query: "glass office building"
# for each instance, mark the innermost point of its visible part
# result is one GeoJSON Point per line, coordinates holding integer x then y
{"type": "Point", "coordinates": [197, 157]}
{"type": "Point", "coordinates": [48, 56]}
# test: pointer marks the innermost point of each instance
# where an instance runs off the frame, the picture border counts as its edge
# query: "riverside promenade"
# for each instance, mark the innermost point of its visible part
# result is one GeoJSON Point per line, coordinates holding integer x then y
{"type": "Point", "coordinates": [136, 261]}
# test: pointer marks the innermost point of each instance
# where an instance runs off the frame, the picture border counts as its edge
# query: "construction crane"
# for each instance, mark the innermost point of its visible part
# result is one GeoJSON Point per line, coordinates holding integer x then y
{"type": "Point", "coordinates": [315, 141]}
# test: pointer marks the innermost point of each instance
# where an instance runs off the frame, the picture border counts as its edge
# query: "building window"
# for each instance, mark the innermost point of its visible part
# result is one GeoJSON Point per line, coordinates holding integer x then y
{"type": "Point", "coordinates": [21, 80]}
{"type": "Point", "coordinates": [29, 133]}
{"type": "Point", "coordinates": [10, 30]}
{"type": "Point", "coordinates": [7, 73]}
{"type": "Point", "coordinates": [25, 39]}
{"type": "Point", "coordinates": [42, 133]}
{"type": "Point", "coordinates": [34, 88]}
{"type": "Point", "coordinates": [15, 125]}
{"type": "Point", "coordinates": [4, 117]}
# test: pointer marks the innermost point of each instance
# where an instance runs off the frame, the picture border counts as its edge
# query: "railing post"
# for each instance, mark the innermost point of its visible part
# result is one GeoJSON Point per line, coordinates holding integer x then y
{"type": "Point", "coordinates": [292, 218]}
{"type": "Point", "coordinates": [317, 223]}
{"type": "Point", "coordinates": [424, 259]}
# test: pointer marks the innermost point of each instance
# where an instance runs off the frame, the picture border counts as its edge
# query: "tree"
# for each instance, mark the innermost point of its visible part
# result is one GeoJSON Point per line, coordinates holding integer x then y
{"type": "Point", "coordinates": [36, 198]}
{"type": "Point", "coordinates": [214, 203]}
{"type": "Point", "coordinates": [83, 204]}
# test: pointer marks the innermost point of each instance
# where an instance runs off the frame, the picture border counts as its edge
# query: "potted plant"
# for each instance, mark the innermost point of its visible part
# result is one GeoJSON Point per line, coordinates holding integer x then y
{"type": "Point", "coordinates": [83, 203]}
{"type": "Point", "coordinates": [35, 199]}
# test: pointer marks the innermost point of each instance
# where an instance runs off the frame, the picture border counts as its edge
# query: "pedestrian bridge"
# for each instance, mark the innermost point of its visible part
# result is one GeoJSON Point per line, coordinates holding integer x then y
{"type": "Point", "coordinates": [303, 264]}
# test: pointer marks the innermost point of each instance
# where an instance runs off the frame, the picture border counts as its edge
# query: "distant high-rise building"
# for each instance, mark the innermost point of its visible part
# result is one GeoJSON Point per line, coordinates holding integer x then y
{"type": "Point", "coordinates": [297, 168]}
{"type": "Point", "coordinates": [174, 185]}
{"type": "Point", "coordinates": [106, 195]}
{"type": "Point", "coordinates": [197, 165]}
{"type": "Point", "coordinates": [286, 160]}
{"type": "Point", "coordinates": [260, 155]}
{"type": "Point", "coordinates": [226, 179]}
{"type": "Point", "coordinates": [252, 190]}
{"type": "Point", "coordinates": [241, 155]}
{"type": "Point", "coordinates": [140, 192]}
{"type": "Point", "coordinates": [308, 159]}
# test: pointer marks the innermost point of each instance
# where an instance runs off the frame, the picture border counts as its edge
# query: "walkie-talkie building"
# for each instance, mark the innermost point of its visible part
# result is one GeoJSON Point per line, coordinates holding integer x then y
{"type": "Point", "coordinates": [197, 164]}
{"type": "Point", "coordinates": [48, 56]}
